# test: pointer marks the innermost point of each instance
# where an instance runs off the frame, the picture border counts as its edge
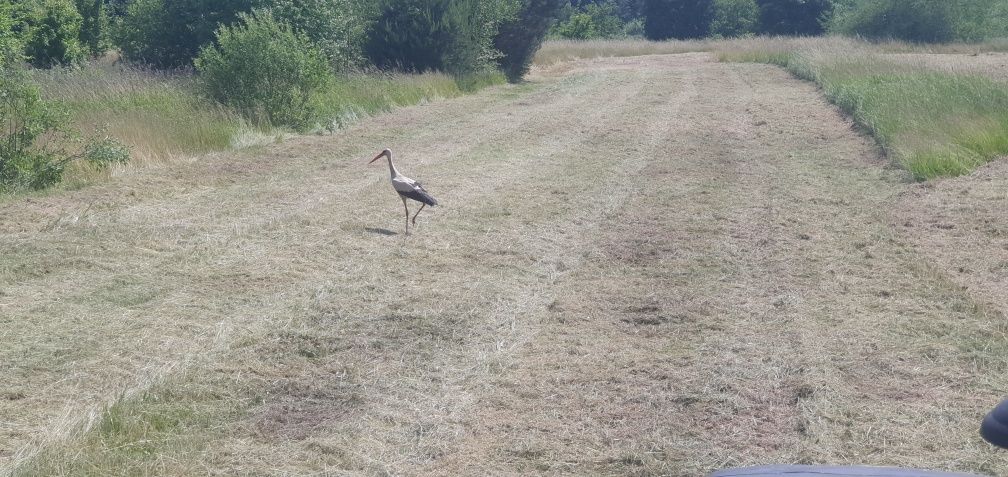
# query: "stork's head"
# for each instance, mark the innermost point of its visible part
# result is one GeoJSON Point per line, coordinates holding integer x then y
{"type": "Point", "coordinates": [386, 153]}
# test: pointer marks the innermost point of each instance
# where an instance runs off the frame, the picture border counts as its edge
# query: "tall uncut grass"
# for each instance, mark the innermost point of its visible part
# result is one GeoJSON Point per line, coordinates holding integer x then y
{"type": "Point", "coordinates": [936, 121]}
{"type": "Point", "coordinates": [156, 114]}
{"type": "Point", "coordinates": [360, 95]}
{"type": "Point", "coordinates": [160, 115]}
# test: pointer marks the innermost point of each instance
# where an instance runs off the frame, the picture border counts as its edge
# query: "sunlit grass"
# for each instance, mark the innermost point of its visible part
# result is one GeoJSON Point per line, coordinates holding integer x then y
{"type": "Point", "coordinates": [157, 115]}
{"type": "Point", "coordinates": [936, 123]}
{"type": "Point", "coordinates": [161, 115]}
{"type": "Point", "coordinates": [360, 95]}
{"type": "Point", "coordinates": [134, 433]}
{"type": "Point", "coordinates": [557, 51]}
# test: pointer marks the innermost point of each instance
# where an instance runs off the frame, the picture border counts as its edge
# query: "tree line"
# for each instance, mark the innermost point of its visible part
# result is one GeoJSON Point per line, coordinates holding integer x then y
{"type": "Point", "coordinates": [456, 36]}
{"type": "Point", "coordinates": [461, 36]}
{"type": "Point", "coordinates": [925, 21]}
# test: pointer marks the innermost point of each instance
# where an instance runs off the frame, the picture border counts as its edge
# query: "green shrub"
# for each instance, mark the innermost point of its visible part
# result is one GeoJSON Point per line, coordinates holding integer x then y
{"type": "Point", "coordinates": [679, 19]}
{"type": "Point", "coordinates": [734, 18]}
{"type": "Point", "coordinates": [914, 20]}
{"type": "Point", "coordinates": [54, 34]}
{"type": "Point", "coordinates": [634, 28]}
{"type": "Point", "coordinates": [594, 20]}
{"type": "Point", "coordinates": [266, 70]}
{"type": "Point", "coordinates": [103, 150]}
{"type": "Point", "coordinates": [333, 25]}
{"type": "Point", "coordinates": [578, 26]}
{"type": "Point", "coordinates": [454, 36]}
{"type": "Point", "coordinates": [170, 33]}
{"type": "Point", "coordinates": [10, 42]}
{"type": "Point", "coordinates": [94, 26]}
{"type": "Point", "coordinates": [924, 21]}
{"type": "Point", "coordinates": [794, 17]}
{"type": "Point", "coordinates": [520, 38]}
{"type": "Point", "coordinates": [35, 144]}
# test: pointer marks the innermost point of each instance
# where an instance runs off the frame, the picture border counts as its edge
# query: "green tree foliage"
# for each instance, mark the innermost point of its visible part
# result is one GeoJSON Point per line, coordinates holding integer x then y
{"type": "Point", "coordinates": [593, 20]}
{"type": "Point", "coordinates": [734, 18]}
{"type": "Point", "coordinates": [94, 26]}
{"type": "Point", "coordinates": [117, 8]}
{"type": "Point", "coordinates": [54, 28]}
{"type": "Point", "coordinates": [627, 10]}
{"type": "Point", "coordinates": [455, 36]}
{"type": "Point", "coordinates": [10, 40]}
{"type": "Point", "coordinates": [34, 140]}
{"type": "Point", "coordinates": [266, 70]}
{"type": "Point", "coordinates": [680, 19]}
{"type": "Point", "coordinates": [794, 17]}
{"type": "Point", "coordinates": [926, 21]}
{"type": "Point", "coordinates": [170, 33]}
{"type": "Point", "coordinates": [24, 118]}
{"type": "Point", "coordinates": [578, 26]}
{"type": "Point", "coordinates": [520, 38]}
{"type": "Point", "coordinates": [631, 10]}
{"type": "Point", "coordinates": [333, 25]}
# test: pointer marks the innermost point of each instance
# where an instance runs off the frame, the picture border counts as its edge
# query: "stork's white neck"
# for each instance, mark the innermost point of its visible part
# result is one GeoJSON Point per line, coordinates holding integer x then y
{"type": "Point", "coordinates": [391, 166]}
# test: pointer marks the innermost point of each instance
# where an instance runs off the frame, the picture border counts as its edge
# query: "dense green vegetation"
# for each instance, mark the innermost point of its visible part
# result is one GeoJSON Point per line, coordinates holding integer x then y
{"type": "Point", "coordinates": [266, 70]}
{"type": "Point", "coordinates": [170, 33]}
{"type": "Point", "coordinates": [929, 21]}
{"type": "Point", "coordinates": [794, 17]}
{"type": "Point", "coordinates": [734, 18]}
{"type": "Point", "coordinates": [679, 19]}
{"type": "Point", "coordinates": [912, 20]}
{"type": "Point", "coordinates": [519, 38]}
{"type": "Point", "coordinates": [36, 144]}
{"type": "Point", "coordinates": [445, 35]}
{"type": "Point", "coordinates": [330, 24]}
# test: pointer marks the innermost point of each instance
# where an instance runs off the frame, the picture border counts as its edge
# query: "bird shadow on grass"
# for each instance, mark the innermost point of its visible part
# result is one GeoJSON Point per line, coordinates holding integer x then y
{"type": "Point", "coordinates": [385, 232]}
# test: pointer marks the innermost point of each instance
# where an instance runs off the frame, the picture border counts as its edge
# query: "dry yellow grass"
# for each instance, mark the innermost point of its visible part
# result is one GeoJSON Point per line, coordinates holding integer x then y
{"type": "Point", "coordinates": [656, 266]}
{"type": "Point", "coordinates": [558, 51]}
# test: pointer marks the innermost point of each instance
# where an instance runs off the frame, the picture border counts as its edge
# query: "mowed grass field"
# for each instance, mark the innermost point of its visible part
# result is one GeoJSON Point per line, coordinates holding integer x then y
{"type": "Point", "coordinates": [654, 265]}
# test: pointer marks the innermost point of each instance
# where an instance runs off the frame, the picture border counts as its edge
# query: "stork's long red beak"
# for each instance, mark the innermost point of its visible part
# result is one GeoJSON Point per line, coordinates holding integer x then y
{"type": "Point", "coordinates": [379, 156]}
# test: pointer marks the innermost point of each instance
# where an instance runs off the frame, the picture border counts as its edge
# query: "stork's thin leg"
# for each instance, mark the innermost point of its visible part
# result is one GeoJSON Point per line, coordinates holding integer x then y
{"type": "Point", "coordinates": [422, 205]}
{"type": "Point", "coordinates": [407, 215]}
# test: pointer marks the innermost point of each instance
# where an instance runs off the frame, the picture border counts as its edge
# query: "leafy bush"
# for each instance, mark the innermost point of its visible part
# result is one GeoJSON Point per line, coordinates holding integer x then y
{"type": "Point", "coordinates": [520, 38]}
{"type": "Point", "coordinates": [925, 21]}
{"type": "Point", "coordinates": [94, 26]}
{"type": "Point", "coordinates": [333, 25]}
{"type": "Point", "coordinates": [634, 27]}
{"type": "Point", "coordinates": [594, 20]}
{"type": "Point", "coordinates": [170, 33]}
{"type": "Point", "coordinates": [734, 18]}
{"type": "Point", "coordinates": [266, 70]}
{"type": "Point", "coordinates": [794, 17]}
{"type": "Point", "coordinates": [578, 26]}
{"type": "Point", "coordinates": [53, 35]}
{"type": "Point", "coordinates": [10, 42]}
{"type": "Point", "coordinates": [680, 19]}
{"type": "Point", "coordinates": [455, 36]}
{"type": "Point", "coordinates": [34, 141]}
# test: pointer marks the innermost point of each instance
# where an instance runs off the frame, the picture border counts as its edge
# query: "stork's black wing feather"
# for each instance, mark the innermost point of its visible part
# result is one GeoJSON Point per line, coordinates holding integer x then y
{"type": "Point", "coordinates": [420, 195]}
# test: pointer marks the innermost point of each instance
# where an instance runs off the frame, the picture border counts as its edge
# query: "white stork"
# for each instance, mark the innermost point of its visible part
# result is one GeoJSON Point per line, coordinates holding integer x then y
{"type": "Point", "coordinates": [406, 188]}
